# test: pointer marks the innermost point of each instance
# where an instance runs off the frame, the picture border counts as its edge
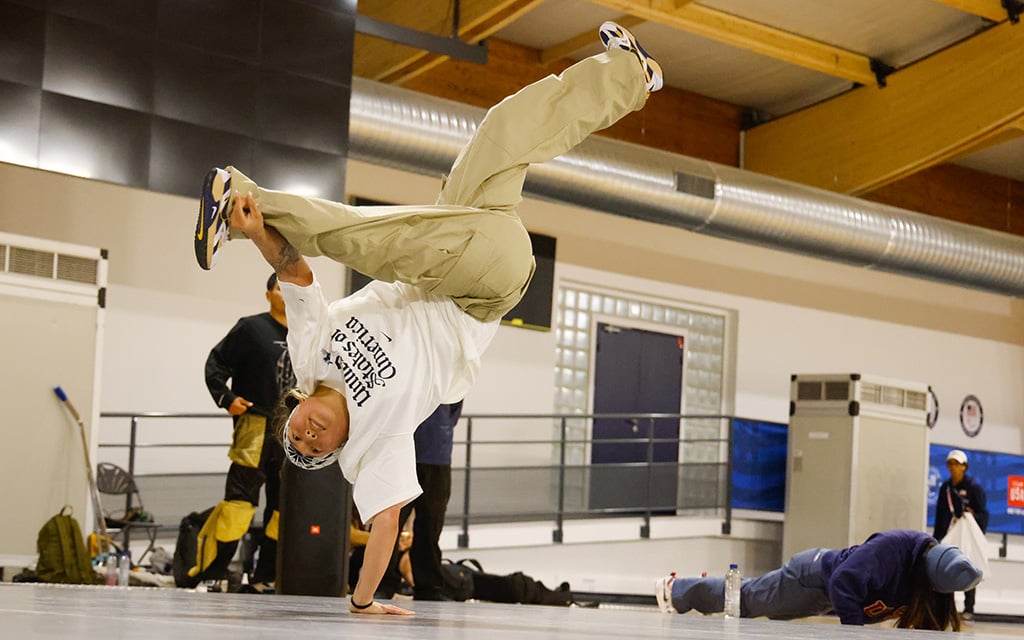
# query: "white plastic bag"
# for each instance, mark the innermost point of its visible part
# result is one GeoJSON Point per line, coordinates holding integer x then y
{"type": "Point", "coordinates": [965, 533]}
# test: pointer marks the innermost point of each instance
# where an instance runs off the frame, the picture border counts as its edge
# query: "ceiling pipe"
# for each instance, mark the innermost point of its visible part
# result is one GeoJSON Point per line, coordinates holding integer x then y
{"type": "Point", "coordinates": [395, 127]}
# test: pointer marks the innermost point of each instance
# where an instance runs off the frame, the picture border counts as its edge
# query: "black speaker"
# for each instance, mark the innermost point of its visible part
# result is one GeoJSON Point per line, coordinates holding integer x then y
{"type": "Point", "coordinates": [312, 546]}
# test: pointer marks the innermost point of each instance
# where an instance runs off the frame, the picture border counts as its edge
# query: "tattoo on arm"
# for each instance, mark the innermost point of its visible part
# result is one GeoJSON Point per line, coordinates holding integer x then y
{"type": "Point", "coordinates": [287, 256]}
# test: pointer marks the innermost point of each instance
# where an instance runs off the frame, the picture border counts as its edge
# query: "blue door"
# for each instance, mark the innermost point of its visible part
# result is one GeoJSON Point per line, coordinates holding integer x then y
{"type": "Point", "coordinates": [636, 371]}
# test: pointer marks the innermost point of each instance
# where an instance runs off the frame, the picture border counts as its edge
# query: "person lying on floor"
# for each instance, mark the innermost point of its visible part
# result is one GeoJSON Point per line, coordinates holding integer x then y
{"type": "Point", "coordinates": [896, 574]}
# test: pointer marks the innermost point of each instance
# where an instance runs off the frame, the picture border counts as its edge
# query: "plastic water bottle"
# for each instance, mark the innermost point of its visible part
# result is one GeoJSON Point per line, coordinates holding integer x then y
{"type": "Point", "coordinates": [110, 577]}
{"type": "Point", "coordinates": [733, 581]}
{"type": "Point", "coordinates": [123, 568]}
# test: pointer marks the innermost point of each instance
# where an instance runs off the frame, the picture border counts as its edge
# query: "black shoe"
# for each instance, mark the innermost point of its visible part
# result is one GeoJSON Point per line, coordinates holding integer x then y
{"type": "Point", "coordinates": [257, 587]}
{"type": "Point", "coordinates": [212, 225]}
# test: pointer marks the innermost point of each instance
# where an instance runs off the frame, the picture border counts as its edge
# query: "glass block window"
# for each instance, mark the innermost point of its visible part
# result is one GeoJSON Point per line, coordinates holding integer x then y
{"type": "Point", "coordinates": [705, 357]}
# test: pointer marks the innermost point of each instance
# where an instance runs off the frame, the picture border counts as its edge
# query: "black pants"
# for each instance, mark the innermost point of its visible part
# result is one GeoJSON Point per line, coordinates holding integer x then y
{"type": "Point", "coordinates": [430, 506]}
{"type": "Point", "coordinates": [969, 601]}
{"type": "Point", "coordinates": [244, 483]}
{"type": "Point", "coordinates": [425, 553]}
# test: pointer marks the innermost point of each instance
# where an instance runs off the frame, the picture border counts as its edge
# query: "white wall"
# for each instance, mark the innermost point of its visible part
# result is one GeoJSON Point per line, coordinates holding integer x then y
{"type": "Point", "coordinates": [795, 314]}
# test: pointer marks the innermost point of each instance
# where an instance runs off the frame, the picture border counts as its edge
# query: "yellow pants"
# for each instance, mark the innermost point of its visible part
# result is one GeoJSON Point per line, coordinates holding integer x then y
{"type": "Point", "coordinates": [470, 245]}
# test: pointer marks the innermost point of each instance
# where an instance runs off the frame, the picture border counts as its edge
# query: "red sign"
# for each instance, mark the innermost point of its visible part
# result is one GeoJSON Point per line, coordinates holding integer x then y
{"type": "Point", "coordinates": [1015, 491]}
{"type": "Point", "coordinates": [314, 529]}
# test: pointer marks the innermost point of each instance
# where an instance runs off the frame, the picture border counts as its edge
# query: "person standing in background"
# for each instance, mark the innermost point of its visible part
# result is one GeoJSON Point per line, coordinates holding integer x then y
{"type": "Point", "coordinates": [254, 357]}
{"type": "Point", "coordinates": [434, 439]}
{"type": "Point", "coordinates": [957, 495]}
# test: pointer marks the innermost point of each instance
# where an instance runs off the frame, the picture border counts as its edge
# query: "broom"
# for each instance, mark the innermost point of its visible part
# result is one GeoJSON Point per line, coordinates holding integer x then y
{"type": "Point", "coordinates": [101, 525]}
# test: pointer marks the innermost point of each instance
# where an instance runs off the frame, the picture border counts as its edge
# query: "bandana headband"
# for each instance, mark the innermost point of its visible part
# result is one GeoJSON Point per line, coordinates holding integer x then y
{"type": "Point", "coordinates": [309, 463]}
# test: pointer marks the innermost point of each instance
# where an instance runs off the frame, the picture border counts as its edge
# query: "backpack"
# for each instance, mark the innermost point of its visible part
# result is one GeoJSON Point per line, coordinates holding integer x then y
{"type": "Point", "coordinates": [457, 579]}
{"type": "Point", "coordinates": [185, 549]}
{"type": "Point", "coordinates": [62, 554]}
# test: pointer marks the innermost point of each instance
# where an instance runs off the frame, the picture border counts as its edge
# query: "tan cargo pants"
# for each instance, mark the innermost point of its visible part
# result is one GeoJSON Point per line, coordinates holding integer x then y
{"type": "Point", "coordinates": [470, 245]}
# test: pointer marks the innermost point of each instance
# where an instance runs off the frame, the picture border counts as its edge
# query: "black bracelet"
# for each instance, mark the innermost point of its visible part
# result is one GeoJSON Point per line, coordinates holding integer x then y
{"type": "Point", "coordinates": [360, 607]}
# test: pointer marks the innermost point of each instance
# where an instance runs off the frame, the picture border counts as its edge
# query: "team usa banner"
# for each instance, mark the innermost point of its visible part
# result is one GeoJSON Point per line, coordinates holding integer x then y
{"type": "Point", "coordinates": [1001, 475]}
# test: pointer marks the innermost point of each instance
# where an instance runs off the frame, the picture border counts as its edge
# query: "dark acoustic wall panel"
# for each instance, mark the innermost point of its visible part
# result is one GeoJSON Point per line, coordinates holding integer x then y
{"type": "Point", "coordinates": [98, 64]}
{"type": "Point", "coordinates": [301, 112]}
{"type": "Point", "coordinates": [19, 126]}
{"type": "Point", "coordinates": [222, 27]}
{"type": "Point", "coordinates": [299, 170]}
{"type": "Point", "coordinates": [134, 16]}
{"type": "Point", "coordinates": [22, 34]}
{"type": "Point", "coordinates": [195, 87]}
{"type": "Point", "coordinates": [94, 140]}
{"type": "Point", "coordinates": [303, 40]}
{"type": "Point", "coordinates": [177, 148]}
{"type": "Point", "coordinates": [152, 93]}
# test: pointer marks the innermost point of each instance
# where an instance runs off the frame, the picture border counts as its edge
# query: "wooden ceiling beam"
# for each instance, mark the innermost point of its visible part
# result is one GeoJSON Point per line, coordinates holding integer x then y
{"type": "Point", "coordinates": [752, 36]}
{"type": "Point", "coordinates": [989, 9]}
{"type": "Point", "coordinates": [583, 40]}
{"type": "Point", "coordinates": [393, 63]}
{"type": "Point", "coordinates": [932, 111]}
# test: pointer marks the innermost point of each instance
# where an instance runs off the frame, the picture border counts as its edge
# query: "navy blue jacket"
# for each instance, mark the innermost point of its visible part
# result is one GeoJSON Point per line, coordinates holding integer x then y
{"type": "Point", "coordinates": [434, 436]}
{"type": "Point", "coordinates": [968, 494]}
{"type": "Point", "coordinates": [872, 582]}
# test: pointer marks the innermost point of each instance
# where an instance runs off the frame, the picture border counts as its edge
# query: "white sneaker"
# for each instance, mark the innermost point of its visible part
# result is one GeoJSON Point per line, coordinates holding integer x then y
{"type": "Point", "coordinates": [663, 593]}
{"type": "Point", "coordinates": [615, 35]}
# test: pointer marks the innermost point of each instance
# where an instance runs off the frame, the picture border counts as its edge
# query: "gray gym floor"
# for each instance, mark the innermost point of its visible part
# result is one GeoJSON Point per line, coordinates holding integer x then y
{"type": "Point", "coordinates": [103, 613]}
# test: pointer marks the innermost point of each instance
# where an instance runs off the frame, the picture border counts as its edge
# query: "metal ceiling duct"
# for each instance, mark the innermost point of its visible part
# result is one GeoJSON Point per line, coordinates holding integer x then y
{"type": "Point", "coordinates": [411, 131]}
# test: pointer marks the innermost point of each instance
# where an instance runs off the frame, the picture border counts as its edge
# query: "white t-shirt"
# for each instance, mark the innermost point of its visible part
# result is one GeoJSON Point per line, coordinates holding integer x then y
{"type": "Point", "coordinates": [395, 352]}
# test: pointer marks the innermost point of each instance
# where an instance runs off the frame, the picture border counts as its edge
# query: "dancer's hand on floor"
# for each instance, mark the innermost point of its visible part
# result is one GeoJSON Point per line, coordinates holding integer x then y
{"type": "Point", "coordinates": [378, 608]}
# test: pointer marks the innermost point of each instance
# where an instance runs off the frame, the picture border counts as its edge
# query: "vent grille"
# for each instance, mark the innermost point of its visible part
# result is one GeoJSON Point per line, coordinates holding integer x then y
{"type": "Point", "coordinates": [77, 269]}
{"type": "Point", "coordinates": [808, 391]}
{"type": "Point", "coordinates": [871, 392]}
{"type": "Point", "coordinates": [817, 390]}
{"type": "Point", "coordinates": [47, 264]}
{"type": "Point", "coordinates": [893, 396]}
{"type": "Point", "coordinates": [837, 390]}
{"type": "Point", "coordinates": [695, 185]}
{"type": "Point", "coordinates": [31, 262]}
{"type": "Point", "coordinates": [916, 400]}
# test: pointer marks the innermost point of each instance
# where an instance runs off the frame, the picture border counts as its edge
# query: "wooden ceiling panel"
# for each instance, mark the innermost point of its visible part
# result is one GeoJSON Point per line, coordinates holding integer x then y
{"type": "Point", "coordinates": [753, 36]}
{"type": "Point", "coordinates": [989, 9]}
{"type": "Point", "coordinates": [389, 62]}
{"type": "Point", "coordinates": [931, 112]}
{"type": "Point", "coordinates": [673, 120]}
{"type": "Point", "coordinates": [885, 143]}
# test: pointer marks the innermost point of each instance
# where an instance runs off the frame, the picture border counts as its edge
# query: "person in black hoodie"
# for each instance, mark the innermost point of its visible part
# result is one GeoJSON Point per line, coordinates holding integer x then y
{"type": "Point", "coordinates": [254, 357]}
{"type": "Point", "coordinates": [897, 574]}
{"type": "Point", "coordinates": [957, 495]}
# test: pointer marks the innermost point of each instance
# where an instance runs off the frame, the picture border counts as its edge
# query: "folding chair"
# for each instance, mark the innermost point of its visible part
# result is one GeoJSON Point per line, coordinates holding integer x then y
{"type": "Point", "coordinates": [114, 480]}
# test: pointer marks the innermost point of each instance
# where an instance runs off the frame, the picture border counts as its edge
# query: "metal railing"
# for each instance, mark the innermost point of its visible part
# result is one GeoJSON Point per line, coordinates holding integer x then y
{"type": "Point", "coordinates": [650, 484]}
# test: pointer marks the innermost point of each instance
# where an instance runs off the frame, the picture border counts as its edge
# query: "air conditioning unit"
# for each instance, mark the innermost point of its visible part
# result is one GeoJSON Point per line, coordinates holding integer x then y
{"type": "Point", "coordinates": [52, 295]}
{"type": "Point", "coordinates": [857, 459]}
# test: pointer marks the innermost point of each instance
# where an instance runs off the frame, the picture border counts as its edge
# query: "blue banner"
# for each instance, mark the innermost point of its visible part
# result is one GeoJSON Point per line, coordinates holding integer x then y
{"type": "Point", "coordinates": [1001, 475]}
{"type": "Point", "coordinates": [759, 454]}
{"type": "Point", "coordinates": [759, 465]}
